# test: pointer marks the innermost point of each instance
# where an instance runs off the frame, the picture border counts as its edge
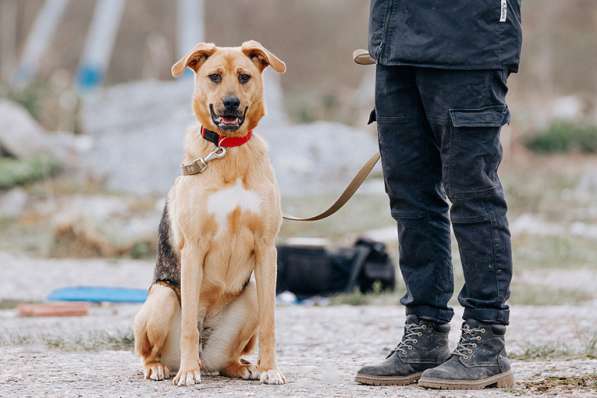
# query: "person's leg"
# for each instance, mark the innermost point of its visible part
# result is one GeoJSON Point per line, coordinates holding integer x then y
{"type": "Point", "coordinates": [411, 162]}
{"type": "Point", "coordinates": [467, 109]}
{"type": "Point", "coordinates": [412, 172]}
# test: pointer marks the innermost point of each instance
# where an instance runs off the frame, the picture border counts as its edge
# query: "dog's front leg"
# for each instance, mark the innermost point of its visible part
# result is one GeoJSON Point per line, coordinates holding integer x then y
{"type": "Point", "coordinates": [191, 268]}
{"type": "Point", "coordinates": [265, 275]}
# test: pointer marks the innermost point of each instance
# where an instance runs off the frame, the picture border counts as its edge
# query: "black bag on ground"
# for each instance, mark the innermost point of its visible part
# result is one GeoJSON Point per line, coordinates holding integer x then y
{"type": "Point", "coordinates": [316, 271]}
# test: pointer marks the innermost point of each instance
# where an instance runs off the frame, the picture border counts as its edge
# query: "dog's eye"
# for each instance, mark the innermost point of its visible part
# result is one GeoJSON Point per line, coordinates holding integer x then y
{"type": "Point", "coordinates": [243, 78]}
{"type": "Point", "coordinates": [215, 77]}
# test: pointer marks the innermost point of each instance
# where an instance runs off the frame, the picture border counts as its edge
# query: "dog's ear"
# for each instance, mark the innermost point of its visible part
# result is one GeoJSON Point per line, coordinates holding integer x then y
{"type": "Point", "coordinates": [194, 58]}
{"type": "Point", "coordinates": [262, 57]}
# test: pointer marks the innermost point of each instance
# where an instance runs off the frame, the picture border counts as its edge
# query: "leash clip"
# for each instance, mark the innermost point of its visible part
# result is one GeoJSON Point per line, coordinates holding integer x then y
{"type": "Point", "coordinates": [199, 165]}
{"type": "Point", "coordinates": [217, 153]}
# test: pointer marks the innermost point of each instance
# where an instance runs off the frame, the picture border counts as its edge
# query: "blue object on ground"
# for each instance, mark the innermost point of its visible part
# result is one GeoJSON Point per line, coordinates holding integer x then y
{"type": "Point", "coordinates": [89, 77]}
{"type": "Point", "coordinates": [98, 294]}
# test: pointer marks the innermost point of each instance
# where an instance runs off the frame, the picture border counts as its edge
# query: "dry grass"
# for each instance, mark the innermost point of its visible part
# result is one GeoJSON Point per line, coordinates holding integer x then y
{"type": "Point", "coordinates": [552, 351]}
{"type": "Point", "coordinates": [558, 386]}
{"type": "Point", "coordinates": [97, 341]}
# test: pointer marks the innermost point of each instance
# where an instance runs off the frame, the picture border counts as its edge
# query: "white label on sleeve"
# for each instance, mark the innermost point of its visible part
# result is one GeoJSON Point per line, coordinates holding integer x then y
{"type": "Point", "coordinates": [504, 13]}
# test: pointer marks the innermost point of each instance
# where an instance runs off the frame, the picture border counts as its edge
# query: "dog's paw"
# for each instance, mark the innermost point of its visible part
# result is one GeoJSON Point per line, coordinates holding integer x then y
{"type": "Point", "coordinates": [250, 372]}
{"type": "Point", "coordinates": [188, 377]}
{"type": "Point", "coordinates": [272, 376]}
{"type": "Point", "coordinates": [156, 371]}
{"type": "Point", "coordinates": [243, 370]}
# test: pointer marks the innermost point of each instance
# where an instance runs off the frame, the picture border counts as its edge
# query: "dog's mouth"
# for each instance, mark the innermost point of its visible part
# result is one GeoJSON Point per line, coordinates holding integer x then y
{"type": "Point", "coordinates": [228, 121]}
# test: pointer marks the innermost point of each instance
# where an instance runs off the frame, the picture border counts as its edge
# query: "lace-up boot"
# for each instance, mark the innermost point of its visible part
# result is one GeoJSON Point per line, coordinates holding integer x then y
{"type": "Point", "coordinates": [478, 361]}
{"type": "Point", "coordinates": [423, 346]}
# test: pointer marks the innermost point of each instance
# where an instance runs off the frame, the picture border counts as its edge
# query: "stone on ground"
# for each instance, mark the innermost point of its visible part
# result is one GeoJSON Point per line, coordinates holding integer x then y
{"type": "Point", "coordinates": [138, 128]}
{"type": "Point", "coordinates": [12, 203]}
{"type": "Point", "coordinates": [22, 137]}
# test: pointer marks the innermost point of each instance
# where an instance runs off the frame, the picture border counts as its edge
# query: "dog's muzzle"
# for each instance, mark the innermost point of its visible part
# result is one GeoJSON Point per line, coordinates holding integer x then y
{"type": "Point", "coordinates": [228, 120]}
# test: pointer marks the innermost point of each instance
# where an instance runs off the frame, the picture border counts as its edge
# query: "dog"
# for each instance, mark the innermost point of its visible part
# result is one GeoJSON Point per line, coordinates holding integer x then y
{"type": "Point", "coordinates": [214, 284]}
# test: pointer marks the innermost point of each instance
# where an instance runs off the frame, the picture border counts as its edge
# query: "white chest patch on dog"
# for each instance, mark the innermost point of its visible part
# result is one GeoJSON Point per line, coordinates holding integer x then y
{"type": "Point", "coordinates": [223, 202]}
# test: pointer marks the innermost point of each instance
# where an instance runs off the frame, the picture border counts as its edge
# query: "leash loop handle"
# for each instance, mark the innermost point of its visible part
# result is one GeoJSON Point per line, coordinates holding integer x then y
{"type": "Point", "coordinates": [345, 196]}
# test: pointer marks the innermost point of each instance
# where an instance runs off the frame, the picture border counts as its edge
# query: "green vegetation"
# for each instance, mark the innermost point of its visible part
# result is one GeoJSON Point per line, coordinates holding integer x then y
{"type": "Point", "coordinates": [544, 352]}
{"type": "Point", "coordinates": [29, 97]}
{"type": "Point", "coordinates": [99, 341]}
{"type": "Point", "coordinates": [9, 304]}
{"type": "Point", "coordinates": [565, 136]}
{"type": "Point", "coordinates": [54, 106]}
{"type": "Point", "coordinates": [376, 297]}
{"type": "Point", "coordinates": [19, 172]}
{"type": "Point", "coordinates": [142, 250]}
{"type": "Point", "coordinates": [93, 341]}
{"type": "Point", "coordinates": [354, 298]}
{"type": "Point", "coordinates": [541, 252]}
{"type": "Point", "coordinates": [535, 294]}
{"type": "Point", "coordinates": [364, 212]}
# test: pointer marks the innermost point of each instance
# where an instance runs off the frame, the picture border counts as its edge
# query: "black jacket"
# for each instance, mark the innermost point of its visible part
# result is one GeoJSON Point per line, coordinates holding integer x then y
{"type": "Point", "coordinates": [448, 34]}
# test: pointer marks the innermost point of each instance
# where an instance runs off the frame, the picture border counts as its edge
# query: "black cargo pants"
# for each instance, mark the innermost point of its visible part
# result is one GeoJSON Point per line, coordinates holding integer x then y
{"type": "Point", "coordinates": [439, 140]}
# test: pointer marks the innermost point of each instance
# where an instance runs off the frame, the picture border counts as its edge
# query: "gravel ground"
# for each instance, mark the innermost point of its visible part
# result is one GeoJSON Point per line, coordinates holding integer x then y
{"type": "Point", "coordinates": [27, 278]}
{"type": "Point", "coordinates": [320, 348]}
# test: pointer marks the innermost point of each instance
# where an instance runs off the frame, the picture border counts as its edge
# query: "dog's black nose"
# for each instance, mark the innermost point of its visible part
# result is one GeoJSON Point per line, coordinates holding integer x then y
{"type": "Point", "coordinates": [231, 102]}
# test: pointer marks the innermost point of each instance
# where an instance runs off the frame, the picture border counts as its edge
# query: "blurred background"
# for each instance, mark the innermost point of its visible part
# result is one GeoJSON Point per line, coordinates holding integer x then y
{"type": "Point", "coordinates": [91, 127]}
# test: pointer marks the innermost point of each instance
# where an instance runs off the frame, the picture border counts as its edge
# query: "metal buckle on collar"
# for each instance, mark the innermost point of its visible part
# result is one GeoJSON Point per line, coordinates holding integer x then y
{"type": "Point", "coordinates": [199, 165]}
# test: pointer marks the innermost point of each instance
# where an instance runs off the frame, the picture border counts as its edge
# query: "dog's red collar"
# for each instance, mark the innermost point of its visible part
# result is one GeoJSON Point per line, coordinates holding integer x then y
{"type": "Point", "coordinates": [225, 142]}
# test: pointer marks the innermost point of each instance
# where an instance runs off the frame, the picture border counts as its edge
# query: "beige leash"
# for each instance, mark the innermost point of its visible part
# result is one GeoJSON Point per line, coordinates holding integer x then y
{"type": "Point", "coordinates": [348, 193]}
{"type": "Point", "coordinates": [360, 57]}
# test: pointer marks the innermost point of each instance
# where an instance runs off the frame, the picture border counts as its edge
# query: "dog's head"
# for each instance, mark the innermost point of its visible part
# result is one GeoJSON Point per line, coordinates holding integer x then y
{"type": "Point", "coordinates": [228, 95]}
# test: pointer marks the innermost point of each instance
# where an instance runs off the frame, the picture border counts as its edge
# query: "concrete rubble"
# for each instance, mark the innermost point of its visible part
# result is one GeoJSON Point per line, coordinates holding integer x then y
{"type": "Point", "coordinates": [22, 137]}
{"type": "Point", "coordinates": [12, 203]}
{"type": "Point", "coordinates": [104, 226]}
{"type": "Point", "coordinates": [137, 131]}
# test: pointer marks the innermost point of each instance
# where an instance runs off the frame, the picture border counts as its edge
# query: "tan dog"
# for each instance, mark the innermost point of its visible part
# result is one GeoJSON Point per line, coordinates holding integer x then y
{"type": "Point", "coordinates": [218, 228]}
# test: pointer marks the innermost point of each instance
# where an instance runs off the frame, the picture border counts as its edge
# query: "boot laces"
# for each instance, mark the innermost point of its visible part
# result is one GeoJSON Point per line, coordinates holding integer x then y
{"type": "Point", "coordinates": [411, 332]}
{"type": "Point", "coordinates": [468, 341]}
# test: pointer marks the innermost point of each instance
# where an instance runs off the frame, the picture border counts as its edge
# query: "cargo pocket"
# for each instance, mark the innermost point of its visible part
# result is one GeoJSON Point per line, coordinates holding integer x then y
{"type": "Point", "coordinates": [492, 116]}
{"type": "Point", "coordinates": [475, 151]}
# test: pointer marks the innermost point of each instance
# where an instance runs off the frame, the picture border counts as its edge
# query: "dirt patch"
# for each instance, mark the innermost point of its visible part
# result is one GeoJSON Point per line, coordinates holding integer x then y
{"type": "Point", "coordinates": [320, 349]}
{"type": "Point", "coordinates": [584, 383]}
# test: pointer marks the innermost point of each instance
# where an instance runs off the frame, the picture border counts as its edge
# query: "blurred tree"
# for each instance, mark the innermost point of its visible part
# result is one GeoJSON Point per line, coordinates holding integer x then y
{"type": "Point", "coordinates": [316, 39]}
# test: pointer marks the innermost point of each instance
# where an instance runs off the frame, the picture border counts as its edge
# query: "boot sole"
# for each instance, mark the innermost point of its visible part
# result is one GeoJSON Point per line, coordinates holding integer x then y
{"type": "Point", "coordinates": [388, 380]}
{"type": "Point", "coordinates": [502, 380]}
